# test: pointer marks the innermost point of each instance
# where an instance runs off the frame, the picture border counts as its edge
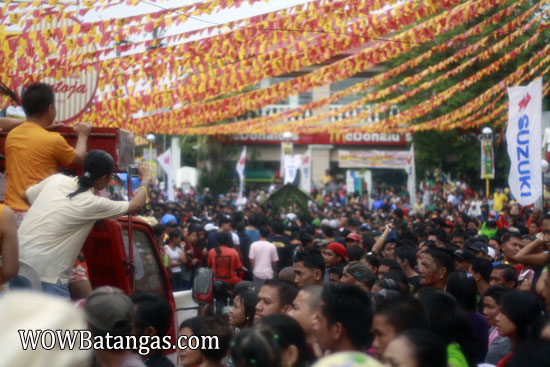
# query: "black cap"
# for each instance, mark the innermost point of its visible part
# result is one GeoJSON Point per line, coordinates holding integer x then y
{"type": "Point", "coordinates": [479, 246]}
{"type": "Point", "coordinates": [465, 255]}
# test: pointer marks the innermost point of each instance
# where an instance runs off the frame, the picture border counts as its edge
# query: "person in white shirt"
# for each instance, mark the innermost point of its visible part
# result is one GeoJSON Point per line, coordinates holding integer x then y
{"type": "Point", "coordinates": [177, 258]}
{"type": "Point", "coordinates": [263, 258]}
{"type": "Point", "coordinates": [62, 212]}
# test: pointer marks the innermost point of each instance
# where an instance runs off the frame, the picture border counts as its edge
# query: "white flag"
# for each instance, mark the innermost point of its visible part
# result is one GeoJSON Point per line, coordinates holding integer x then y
{"type": "Point", "coordinates": [240, 171]}
{"type": "Point", "coordinates": [165, 161]}
{"type": "Point", "coordinates": [411, 178]}
{"type": "Point", "coordinates": [305, 172]}
{"type": "Point", "coordinates": [523, 136]}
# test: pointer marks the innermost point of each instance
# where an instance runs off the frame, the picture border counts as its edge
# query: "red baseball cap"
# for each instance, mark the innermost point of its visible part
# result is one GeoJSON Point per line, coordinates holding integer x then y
{"type": "Point", "coordinates": [338, 248]}
{"type": "Point", "coordinates": [353, 237]}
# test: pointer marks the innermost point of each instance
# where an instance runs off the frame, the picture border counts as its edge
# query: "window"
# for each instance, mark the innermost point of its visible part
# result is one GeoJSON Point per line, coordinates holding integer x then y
{"type": "Point", "coordinates": [148, 277]}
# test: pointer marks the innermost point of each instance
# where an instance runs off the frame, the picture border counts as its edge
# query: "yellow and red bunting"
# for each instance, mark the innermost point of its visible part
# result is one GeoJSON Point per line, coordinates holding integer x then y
{"type": "Point", "coordinates": [455, 16]}
{"type": "Point", "coordinates": [232, 82]}
{"type": "Point", "coordinates": [342, 69]}
{"type": "Point", "coordinates": [483, 105]}
{"type": "Point", "coordinates": [292, 58]}
{"type": "Point", "coordinates": [380, 78]}
{"type": "Point", "coordinates": [313, 16]}
{"type": "Point", "coordinates": [385, 106]}
{"type": "Point", "coordinates": [389, 125]}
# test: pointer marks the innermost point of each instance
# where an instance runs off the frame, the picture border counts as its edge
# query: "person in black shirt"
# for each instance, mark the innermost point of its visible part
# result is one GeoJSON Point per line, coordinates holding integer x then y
{"type": "Point", "coordinates": [282, 244]}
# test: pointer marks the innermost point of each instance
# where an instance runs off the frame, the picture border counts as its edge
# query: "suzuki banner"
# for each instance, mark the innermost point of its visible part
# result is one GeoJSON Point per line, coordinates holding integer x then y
{"type": "Point", "coordinates": [523, 136]}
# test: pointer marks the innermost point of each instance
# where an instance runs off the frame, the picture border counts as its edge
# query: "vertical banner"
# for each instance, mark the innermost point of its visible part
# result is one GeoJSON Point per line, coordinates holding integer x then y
{"type": "Point", "coordinates": [286, 150]}
{"type": "Point", "coordinates": [411, 177]}
{"type": "Point", "coordinates": [350, 182]}
{"type": "Point", "coordinates": [240, 171]}
{"type": "Point", "coordinates": [523, 137]}
{"type": "Point", "coordinates": [165, 162]}
{"type": "Point", "coordinates": [305, 172]}
{"type": "Point", "coordinates": [292, 165]}
{"type": "Point", "coordinates": [487, 160]}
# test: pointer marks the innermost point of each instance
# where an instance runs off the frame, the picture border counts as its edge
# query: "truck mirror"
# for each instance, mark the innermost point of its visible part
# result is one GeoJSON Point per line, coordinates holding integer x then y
{"type": "Point", "coordinates": [202, 285]}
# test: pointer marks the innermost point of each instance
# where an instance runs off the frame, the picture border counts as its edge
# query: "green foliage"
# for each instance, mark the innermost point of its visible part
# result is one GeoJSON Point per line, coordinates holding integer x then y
{"type": "Point", "coordinates": [288, 197]}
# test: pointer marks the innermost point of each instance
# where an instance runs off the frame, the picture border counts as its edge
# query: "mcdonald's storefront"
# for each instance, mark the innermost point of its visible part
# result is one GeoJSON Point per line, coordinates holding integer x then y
{"type": "Point", "coordinates": [265, 150]}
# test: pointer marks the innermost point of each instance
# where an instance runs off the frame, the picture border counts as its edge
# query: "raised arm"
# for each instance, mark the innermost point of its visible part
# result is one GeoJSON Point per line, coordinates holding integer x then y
{"type": "Point", "coordinates": [526, 255]}
{"type": "Point", "coordinates": [82, 130]}
{"type": "Point", "coordinates": [382, 239]}
{"type": "Point", "coordinates": [137, 202]}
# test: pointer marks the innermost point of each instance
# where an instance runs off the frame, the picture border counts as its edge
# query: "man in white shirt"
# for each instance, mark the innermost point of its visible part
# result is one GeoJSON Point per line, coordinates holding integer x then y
{"type": "Point", "coordinates": [263, 258]}
{"type": "Point", "coordinates": [63, 211]}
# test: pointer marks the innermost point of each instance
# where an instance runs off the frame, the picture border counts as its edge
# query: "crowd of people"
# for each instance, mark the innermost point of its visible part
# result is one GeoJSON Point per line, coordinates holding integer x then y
{"type": "Point", "coordinates": [461, 282]}
{"type": "Point", "coordinates": [448, 279]}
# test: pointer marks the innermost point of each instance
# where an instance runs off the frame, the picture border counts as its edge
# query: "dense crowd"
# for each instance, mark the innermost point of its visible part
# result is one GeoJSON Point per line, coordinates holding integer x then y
{"type": "Point", "coordinates": [448, 279]}
{"type": "Point", "coordinates": [456, 276]}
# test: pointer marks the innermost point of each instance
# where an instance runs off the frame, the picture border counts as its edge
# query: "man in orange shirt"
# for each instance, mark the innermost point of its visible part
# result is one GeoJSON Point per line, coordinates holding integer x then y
{"type": "Point", "coordinates": [32, 152]}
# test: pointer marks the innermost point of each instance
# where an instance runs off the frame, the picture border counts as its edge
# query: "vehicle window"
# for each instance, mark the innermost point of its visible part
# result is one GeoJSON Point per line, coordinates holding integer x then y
{"type": "Point", "coordinates": [148, 277]}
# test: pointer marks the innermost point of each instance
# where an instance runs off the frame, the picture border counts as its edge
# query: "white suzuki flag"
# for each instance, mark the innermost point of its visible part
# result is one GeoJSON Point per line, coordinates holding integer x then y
{"type": "Point", "coordinates": [240, 171]}
{"type": "Point", "coordinates": [165, 161]}
{"type": "Point", "coordinates": [305, 172]}
{"type": "Point", "coordinates": [523, 136]}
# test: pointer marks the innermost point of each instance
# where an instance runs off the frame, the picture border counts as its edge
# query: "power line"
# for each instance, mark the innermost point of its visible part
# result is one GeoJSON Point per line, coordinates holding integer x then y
{"type": "Point", "coordinates": [286, 29]}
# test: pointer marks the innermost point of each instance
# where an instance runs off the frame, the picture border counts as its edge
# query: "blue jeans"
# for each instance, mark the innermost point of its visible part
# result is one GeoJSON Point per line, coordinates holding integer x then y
{"type": "Point", "coordinates": [58, 289]}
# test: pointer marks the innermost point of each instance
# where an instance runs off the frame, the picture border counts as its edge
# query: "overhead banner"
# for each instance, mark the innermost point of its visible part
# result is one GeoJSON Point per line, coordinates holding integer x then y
{"type": "Point", "coordinates": [373, 159]}
{"type": "Point", "coordinates": [523, 136]}
{"type": "Point", "coordinates": [487, 160]}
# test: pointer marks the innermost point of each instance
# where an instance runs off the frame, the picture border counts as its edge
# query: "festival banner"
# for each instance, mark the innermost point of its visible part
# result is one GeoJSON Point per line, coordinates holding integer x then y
{"type": "Point", "coordinates": [305, 172]}
{"type": "Point", "coordinates": [287, 148]}
{"type": "Point", "coordinates": [373, 159]}
{"type": "Point", "coordinates": [240, 171]}
{"type": "Point", "coordinates": [411, 176]}
{"type": "Point", "coordinates": [165, 160]}
{"type": "Point", "coordinates": [487, 160]}
{"type": "Point", "coordinates": [523, 137]}
{"type": "Point", "coordinates": [292, 166]}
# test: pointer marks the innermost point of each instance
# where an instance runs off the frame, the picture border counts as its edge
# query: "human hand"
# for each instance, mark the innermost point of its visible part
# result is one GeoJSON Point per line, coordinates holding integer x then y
{"type": "Point", "coordinates": [82, 128]}
{"type": "Point", "coordinates": [144, 173]}
{"type": "Point", "coordinates": [54, 125]}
